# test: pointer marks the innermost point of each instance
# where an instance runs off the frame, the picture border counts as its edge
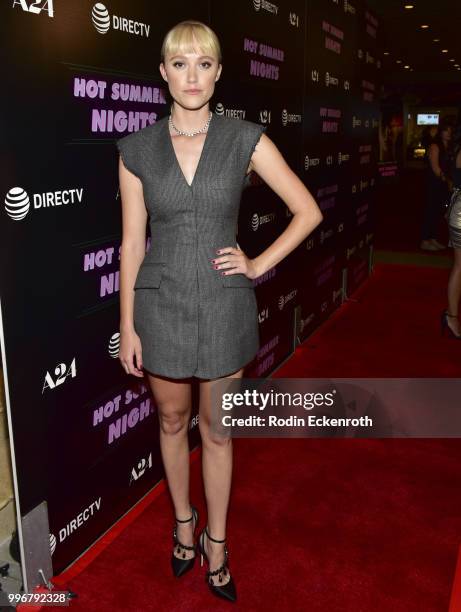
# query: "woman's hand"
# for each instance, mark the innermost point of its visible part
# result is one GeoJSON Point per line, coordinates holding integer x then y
{"type": "Point", "coordinates": [233, 260]}
{"type": "Point", "coordinates": [130, 345]}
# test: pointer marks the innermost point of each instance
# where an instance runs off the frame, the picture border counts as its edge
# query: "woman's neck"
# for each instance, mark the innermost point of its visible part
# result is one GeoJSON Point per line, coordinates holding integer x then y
{"type": "Point", "coordinates": [189, 120]}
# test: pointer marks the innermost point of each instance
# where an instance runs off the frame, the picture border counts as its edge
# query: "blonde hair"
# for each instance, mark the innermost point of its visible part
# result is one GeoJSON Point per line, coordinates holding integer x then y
{"type": "Point", "coordinates": [190, 36]}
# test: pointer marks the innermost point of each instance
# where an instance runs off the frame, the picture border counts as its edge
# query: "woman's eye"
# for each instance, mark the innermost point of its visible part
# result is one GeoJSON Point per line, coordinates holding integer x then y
{"type": "Point", "coordinates": [206, 64]}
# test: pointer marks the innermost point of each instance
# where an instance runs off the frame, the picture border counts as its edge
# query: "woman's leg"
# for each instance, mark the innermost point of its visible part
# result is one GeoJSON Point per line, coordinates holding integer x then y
{"type": "Point", "coordinates": [173, 400]}
{"type": "Point", "coordinates": [217, 477]}
{"type": "Point", "coordinates": [454, 291]}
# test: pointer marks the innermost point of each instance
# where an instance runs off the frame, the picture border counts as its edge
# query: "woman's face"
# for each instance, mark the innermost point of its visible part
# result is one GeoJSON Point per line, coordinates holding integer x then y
{"type": "Point", "coordinates": [446, 133]}
{"type": "Point", "coordinates": [191, 77]}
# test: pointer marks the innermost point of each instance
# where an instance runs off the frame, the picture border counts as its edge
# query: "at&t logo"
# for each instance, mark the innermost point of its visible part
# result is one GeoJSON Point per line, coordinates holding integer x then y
{"type": "Point", "coordinates": [348, 8]}
{"type": "Point", "coordinates": [52, 543]}
{"type": "Point", "coordinates": [17, 201]}
{"type": "Point", "coordinates": [331, 80]}
{"type": "Point", "coordinates": [102, 22]}
{"type": "Point", "coordinates": [114, 345]}
{"type": "Point", "coordinates": [311, 161]}
{"type": "Point", "coordinates": [257, 220]}
{"type": "Point", "coordinates": [237, 113]}
{"type": "Point", "coordinates": [36, 7]}
{"type": "Point", "coordinates": [100, 18]}
{"type": "Point", "coordinates": [284, 299]}
{"type": "Point", "coordinates": [266, 6]}
{"type": "Point", "coordinates": [289, 117]}
{"type": "Point", "coordinates": [343, 157]}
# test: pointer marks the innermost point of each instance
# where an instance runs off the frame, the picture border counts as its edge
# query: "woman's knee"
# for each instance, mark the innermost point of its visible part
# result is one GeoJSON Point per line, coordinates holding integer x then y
{"type": "Point", "coordinates": [210, 436]}
{"type": "Point", "coordinates": [173, 422]}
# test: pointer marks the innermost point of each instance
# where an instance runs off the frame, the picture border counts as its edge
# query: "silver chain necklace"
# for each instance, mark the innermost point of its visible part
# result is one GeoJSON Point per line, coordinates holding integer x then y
{"type": "Point", "coordinates": [203, 129]}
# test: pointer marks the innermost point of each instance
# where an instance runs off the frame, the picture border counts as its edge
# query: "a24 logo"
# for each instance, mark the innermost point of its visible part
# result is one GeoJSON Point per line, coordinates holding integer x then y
{"type": "Point", "coordinates": [61, 372]}
{"type": "Point", "coordinates": [36, 7]}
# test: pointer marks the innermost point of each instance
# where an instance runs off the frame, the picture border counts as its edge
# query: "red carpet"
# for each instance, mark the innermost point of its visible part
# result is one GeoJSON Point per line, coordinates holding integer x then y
{"type": "Point", "coordinates": [352, 525]}
{"type": "Point", "coordinates": [321, 525]}
{"type": "Point", "coordinates": [392, 330]}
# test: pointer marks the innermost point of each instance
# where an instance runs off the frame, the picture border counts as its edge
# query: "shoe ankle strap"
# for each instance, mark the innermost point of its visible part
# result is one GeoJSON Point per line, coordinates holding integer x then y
{"type": "Point", "coordinates": [212, 539]}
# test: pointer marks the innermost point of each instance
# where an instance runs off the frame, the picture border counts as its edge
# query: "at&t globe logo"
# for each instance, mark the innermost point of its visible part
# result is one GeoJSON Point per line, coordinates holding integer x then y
{"type": "Point", "coordinates": [114, 345]}
{"type": "Point", "coordinates": [100, 18]}
{"type": "Point", "coordinates": [103, 21]}
{"type": "Point", "coordinates": [17, 203]}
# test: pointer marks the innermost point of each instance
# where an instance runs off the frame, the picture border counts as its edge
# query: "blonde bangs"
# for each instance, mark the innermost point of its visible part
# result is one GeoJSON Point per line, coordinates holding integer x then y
{"type": "Point", "coordinates": [191, 37]}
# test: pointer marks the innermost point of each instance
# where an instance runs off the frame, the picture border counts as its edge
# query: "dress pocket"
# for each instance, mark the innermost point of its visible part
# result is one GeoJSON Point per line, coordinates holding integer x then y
{"type": "Point", "coordinates": [237, 280]}
{"type": "Point", "coordinates": [149, 276]}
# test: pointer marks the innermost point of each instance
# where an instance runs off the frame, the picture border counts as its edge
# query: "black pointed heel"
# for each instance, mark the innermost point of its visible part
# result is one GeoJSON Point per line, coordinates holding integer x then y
{"type": "Point", "coordinates": [444, 325]}
{"type": "Point", "coordinates": [225, 591]}
{"type": "Point", "coordinates": [181, 566]}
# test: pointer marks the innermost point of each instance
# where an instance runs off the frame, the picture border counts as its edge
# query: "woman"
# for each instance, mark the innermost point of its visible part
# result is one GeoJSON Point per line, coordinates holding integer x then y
{"type": "Point", "coordinates": [437, 187]}
{"type": "Point", "coordinates": [450, 317]}
{"type": "Point", "coordinates": [194, 311]}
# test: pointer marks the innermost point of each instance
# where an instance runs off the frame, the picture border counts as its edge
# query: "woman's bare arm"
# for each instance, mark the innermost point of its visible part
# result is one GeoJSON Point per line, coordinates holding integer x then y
{"type": "Point", "coordinates": [268, 162]}
{"type": "Point", "coordinates": [134, 219]}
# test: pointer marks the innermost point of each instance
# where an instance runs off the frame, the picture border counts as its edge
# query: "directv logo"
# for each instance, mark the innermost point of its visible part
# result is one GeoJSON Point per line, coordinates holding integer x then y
{"type": "Point", "coordinates": [331, 80]}
{"type": "Point", "coordinates": [265, 5]}
{"type": "Point", "coordinates": [17, 201]}
{"type": "Point", "coordinates": [102, 22]}
{"type": "Point", "coordinates": [290, 117]}
{"type": "Point", "coordinates": [311, 161]}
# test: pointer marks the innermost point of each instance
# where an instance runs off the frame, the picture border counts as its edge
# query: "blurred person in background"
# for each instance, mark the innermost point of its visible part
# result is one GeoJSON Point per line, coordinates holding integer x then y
{"type": "Point", "coordinates": [438, 183]}
{"type": "Point", "coordinates": [428, 136]}
{"type": "Point", "coordinates": [450, 320]}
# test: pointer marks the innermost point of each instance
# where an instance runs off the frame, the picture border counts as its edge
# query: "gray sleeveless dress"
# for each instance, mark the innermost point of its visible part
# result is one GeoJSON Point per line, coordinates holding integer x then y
{"type": "Point", "coordinates": [191, 320]}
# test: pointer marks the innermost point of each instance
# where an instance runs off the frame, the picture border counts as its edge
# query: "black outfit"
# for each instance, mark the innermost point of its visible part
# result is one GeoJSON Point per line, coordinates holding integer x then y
{"type": "Point", "coordinates": [437, 194]}
{"type": "Point", "coordinates": [457, 178]}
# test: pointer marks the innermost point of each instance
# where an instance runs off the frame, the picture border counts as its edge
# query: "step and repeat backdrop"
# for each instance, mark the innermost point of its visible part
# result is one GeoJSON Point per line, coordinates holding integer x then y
{"type": "Point", "coordinates": [82, 74]}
